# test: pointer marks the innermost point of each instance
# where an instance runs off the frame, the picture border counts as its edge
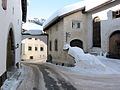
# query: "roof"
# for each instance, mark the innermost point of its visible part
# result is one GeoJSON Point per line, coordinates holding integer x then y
{"type": "Point", "coordinates": [63, 12]}
{"type": "Point", "coordinates": [32, 26]}
{"type": "Point", "coordinates": [88, 5]}
{"type": "Point", "coordinates": [33, 32]}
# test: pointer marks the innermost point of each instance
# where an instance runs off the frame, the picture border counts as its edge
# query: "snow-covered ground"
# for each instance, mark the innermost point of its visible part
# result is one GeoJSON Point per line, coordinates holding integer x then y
{"type": "Point", "coordinates": [29, 77]}
{"type": "Point", "coordinates": [90, 73]}
{"type": "Point", "coordinates": [87, 63]}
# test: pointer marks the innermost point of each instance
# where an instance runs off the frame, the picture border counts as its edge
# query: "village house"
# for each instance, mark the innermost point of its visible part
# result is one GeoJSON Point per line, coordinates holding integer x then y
{"type": "Point", "coordinates": [104, 29]}
{"type": "Point", "coordinates": [68, 27]}
{"type": "Point", "coordinates": [12, 13]}
{"type": "Point", "coordinates": [34, 41]}
{"type": "Point", "coordinates": [88, 25]}
{"type": "Point", "coordinates": [34, 48]}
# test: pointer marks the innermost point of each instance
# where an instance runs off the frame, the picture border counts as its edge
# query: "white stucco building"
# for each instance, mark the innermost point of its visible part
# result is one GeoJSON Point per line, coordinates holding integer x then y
{"type": "Point", "coordinates": [34, 48]}
{"type": "Point", "coordinates": [12, 13]}
{"type": "Point", "coordinates": [34, 42]}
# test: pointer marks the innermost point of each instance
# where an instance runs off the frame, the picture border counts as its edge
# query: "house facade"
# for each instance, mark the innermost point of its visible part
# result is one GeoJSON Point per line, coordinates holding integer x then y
{"type": "Point", "coordinates": [104, 29]}
{"type": "Point", "coordinates": [69, 28]}
{"type": "Point", "coordinates": [12, 13]}
{"type": "Point", "coordinates": [89, 28]}
{"type": "Point", "coordinates": [34, 49]}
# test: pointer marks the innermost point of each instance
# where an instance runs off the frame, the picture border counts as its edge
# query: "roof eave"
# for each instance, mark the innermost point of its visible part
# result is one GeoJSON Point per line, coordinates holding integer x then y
{"type": "Point", "coordinates": [58, 18]}
{"type": "Point", "coordinates": [99, 6]}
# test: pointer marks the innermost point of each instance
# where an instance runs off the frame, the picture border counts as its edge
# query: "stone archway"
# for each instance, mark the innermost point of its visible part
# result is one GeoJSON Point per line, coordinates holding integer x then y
{"type": "Point", "coordinates": [114, 45]}
{"type": "Point", "coordinates": [10, 51]}
{"type": "Point", "coordinates": [76, 42]}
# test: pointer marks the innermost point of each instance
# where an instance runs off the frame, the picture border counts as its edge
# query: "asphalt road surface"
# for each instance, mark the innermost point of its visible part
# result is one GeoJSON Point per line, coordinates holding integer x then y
{"type": "Point", "coordinates": [44, 77]}
{"type": "Point", "coordinates": [50, 77]}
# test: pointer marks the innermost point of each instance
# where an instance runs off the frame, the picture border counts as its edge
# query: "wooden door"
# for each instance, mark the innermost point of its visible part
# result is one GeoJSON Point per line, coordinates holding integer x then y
{"type": "Point", "coordinates": [77, 43]}
{"type": "Point", "coordinates": [114, 46]}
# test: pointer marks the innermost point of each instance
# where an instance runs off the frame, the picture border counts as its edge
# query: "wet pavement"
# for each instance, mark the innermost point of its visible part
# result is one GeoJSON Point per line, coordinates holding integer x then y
{"type": "Point", "coordinates": [56, 83]}
{"type": "Point", "coordinates": [52, 79]}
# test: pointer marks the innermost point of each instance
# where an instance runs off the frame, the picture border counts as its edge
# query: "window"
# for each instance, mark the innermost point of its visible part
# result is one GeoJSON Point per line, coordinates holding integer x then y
{"type": "Point", "coordinates": [4, 4]}
{"type": "Point", "coordinates": [96, 32]}
{"type": "Point", "coordinates": [75, 25]}
{"type": "Point", "coordinates": [29, 38]}
{"type": "Point", "coordinates": [116, 14]}
{"type": "Point", "coordinates": [31, 57]}
{"type": "Point", "coordinates": [35, 38]}
{"type": "Point", "coordinates": [50, 46]}
{"type": "Point", "coordinates": [56, 45]}
{"type": "Point", "coordinates": [36, 48]}
{"type": "Point", "coordinates": [78, 25]}
{"type": "Point", "coordinates": [41, 49]}
{"type": "Point", "coordinates": [29, 48]}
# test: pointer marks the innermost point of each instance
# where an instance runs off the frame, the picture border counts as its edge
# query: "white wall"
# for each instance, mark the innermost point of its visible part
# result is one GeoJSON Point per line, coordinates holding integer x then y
{"type": "Point", "coordinates": [34, 43]}
{"type": "Point", "coordinates": [10, 18]}
{"type": "Point", "coordinates": [108, 25]}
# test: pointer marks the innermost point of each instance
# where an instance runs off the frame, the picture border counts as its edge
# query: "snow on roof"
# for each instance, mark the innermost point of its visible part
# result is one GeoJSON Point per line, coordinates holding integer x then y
{"type": "Point", "coordinates": [88, 4]}
{"type": "Point", "coordinates": [33, 32]}
{"type": "Point", "coordinates": [63, 11]}
{"type": "Point", "coordinates": [32, 26]}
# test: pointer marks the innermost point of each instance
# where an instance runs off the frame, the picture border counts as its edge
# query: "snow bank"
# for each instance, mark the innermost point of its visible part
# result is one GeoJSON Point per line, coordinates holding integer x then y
{"type": "Point", "coordinates": [87, 63]}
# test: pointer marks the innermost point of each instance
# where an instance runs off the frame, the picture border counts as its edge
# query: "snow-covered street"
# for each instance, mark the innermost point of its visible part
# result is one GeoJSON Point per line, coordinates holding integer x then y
{"type": "Point", "coordinates": [46, 76]}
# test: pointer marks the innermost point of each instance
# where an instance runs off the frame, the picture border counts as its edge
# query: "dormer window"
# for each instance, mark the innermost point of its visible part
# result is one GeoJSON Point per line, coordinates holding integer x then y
{"type": "Point", "coordinates": [4, 4]}
{"type": "Point", "coordinates": [116, 14]}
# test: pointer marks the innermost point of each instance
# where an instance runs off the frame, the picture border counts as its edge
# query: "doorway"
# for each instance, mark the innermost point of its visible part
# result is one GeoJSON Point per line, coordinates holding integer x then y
{"type": "Point", "coordinates": [114, 45]}
{"type": "Point", "coordinates": [77, 43]}
{"type": "Point", "coordinates": [10, 51]}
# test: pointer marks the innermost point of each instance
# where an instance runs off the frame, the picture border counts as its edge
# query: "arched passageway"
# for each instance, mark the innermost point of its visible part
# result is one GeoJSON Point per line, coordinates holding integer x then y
{"type": "Point", "coordinates": [76, 42]}
{"type": "Point", "coordinates": [10, 51]}
{"type": "Point", "coordinates": [114, 45]}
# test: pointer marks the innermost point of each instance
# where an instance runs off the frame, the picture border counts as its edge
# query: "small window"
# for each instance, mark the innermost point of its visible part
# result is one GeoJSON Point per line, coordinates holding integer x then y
{"type": "Point", "coordinates": [36, 48]}
{"type": "Point", "coordinates": [56, 45]}
{"type": "Point", "coordinates": [4, 4]}
{"type": "Point", "coordinates": [116, 14]}
{"type": "Point", "coordinates": [31, 57]}
{"type": "Point", "coordinates": [29, 48]}
{"type": "Point", "coordinates": [29, 38]}
{"type": "Point", "coordinates": [41, 49]}
{"type": "Point", "coordinates": [35, 38]}
{"type": "Point", "coordinates": [75, 24]}
{"type": "Point", "coordinates": [50, 46]}
{"type": "Point", "coordinates": [78, 25]}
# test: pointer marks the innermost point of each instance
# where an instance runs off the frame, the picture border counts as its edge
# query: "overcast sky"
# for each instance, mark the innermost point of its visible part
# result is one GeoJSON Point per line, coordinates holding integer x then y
{"type": "Point", "coordinates": [45, 8]}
